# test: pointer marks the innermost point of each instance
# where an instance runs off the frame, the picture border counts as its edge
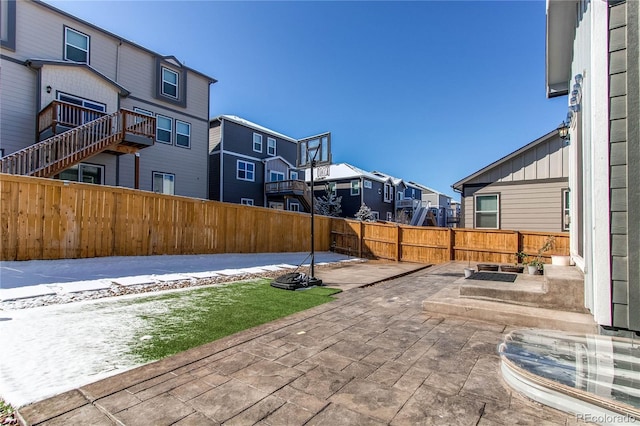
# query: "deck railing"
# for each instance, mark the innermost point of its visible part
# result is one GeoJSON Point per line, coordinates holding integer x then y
{"type": "Point", "coordinates": [51, 156]}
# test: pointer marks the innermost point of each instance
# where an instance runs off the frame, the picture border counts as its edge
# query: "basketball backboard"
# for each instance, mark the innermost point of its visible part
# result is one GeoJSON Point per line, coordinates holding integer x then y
{"type": "Point", "coordinates": [315, 148]}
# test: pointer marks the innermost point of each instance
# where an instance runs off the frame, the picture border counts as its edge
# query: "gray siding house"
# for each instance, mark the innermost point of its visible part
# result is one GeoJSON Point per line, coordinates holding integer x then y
{"type": "Point", "coordinates": [527, 189]}
{"type": "Point", "coordinates": [592, 56]}
{"type": "Point", "coordinates": [253, 165]}
{"type": "Point", "coordinates": [356, 187]}
{"type": "Point", "coordinates": [53, 61]}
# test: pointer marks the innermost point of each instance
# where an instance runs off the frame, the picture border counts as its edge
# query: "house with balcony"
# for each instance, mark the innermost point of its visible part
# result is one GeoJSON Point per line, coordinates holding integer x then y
{"type": "Point", "coordinates": [356, 187]}
{"type": "Point", "coordinates": [252, 165]}
{"type": "Point", "coordinates": [439, 204]}
{"type": "Point", "coordinates": [526, 189]}
{"type": "Point", "coordinates": [406, 200]}
{"type": "Point", "coordinates": [80, 103]}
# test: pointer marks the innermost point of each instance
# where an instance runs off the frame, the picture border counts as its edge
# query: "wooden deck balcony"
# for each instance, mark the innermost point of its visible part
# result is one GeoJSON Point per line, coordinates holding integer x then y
{"type": "Point", "coordinates": [290, 188]}
{"type": "Point", "coordinates": [59, 117]}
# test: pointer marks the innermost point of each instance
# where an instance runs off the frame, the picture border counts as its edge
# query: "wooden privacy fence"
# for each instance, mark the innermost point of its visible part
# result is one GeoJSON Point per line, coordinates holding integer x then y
{"type": "Point", "coordinates": [53, 219]}
{"type": "Point", "coordinates": [438, 245]}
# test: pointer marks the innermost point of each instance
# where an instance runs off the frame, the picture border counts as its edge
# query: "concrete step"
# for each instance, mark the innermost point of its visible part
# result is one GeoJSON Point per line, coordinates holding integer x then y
{"type": "Point", "coordinates": [448, 302]}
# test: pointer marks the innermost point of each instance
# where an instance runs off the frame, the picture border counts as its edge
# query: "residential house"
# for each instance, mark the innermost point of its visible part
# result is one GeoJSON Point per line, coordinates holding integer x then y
{"type": "Point", "coordinates": [592, 58]}
{"type": "Point", "coordinates": [253, 165]}
{"type": "Point", "coordinates": [356, 187]}
{"type": "Point", "coordinates": [64, 76]}
{"type": "Point", "coordinates": [527, 189]}
{"type": "Point", "coordinates": [439, 204]}
{"type": "Point", "coordinates": [407, 198]}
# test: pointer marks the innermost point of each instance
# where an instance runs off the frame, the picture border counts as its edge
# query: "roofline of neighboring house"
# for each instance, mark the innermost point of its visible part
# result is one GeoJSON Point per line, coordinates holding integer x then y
{"type": "Point", "coordinates": [38, 63]}
{"type": "Point", "coordinates": [458, 185]}
{"type": "Point", "coordinates": [357, 173]}
{"type": "Point", "coordinates": [117, 37]}
{"type": "Point", "coordinates": [252, 125]}
{"type": "Point", "coordinates": [560, 33]}
{"type": "Point", "coordinates": [394, 180]}
{"type": "Point", "coordinates": [279, 157]}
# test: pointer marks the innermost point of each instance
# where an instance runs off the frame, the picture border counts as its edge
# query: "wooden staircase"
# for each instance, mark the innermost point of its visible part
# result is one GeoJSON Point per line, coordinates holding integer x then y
{"type": "Point", "coordinates": [291, 188]}
{"type": "Point", "coordinates": [121, 131]}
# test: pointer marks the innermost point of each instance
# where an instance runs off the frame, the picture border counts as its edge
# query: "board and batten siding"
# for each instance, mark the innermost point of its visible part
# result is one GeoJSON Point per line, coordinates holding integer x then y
{"type": "Point", "coordinates": [530, 185]}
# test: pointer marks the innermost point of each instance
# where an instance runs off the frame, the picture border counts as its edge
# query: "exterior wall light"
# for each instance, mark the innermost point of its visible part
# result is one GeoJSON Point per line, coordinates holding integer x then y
{"type": "Point", "coordinates": [48, 89]}
{"type": "Point", "coordinates": [563, 131]}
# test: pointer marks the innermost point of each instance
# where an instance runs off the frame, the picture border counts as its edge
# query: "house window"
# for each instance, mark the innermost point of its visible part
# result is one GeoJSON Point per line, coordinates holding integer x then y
{"type": "Point", "coordinates": [169, 83]}
{"type": "Point", "coordinates": [164, 129]}
{"type": "Point", "coordinates": [375, 215]}
{"type": "Point", "coordinates": [331, 188]}
{"type": "Point", "coordinates": [68, 117]}
{"type": "Point", "coordinates": [367, 184]}
{"type": "Point", "coordinates": [400, 195]}
{"type": "Point", "coordinates": [294, 207]}
{"type": "Point", "coordinates": [246, 201]}
{"type": "Point", "coordinates": [86, 173]}
{"type": "Point", "coordinates": [257, 142]}
{"type": "Point", "coordinates": [388, 193]}
{"type": "Point", "coordinates": [275, 176]}
{"type": "Point", "coordinates": [8, 24]}
{"type": "Point", "coordinates": [389, 216]}
{"type": "Point", "coordinates": [245, 171]}
{"type": "Point", "coordinates": [183, 134]}
{"type": "Point", "coordinates": [76, 46]}
{"type": "Point", "coordinates": [293, 175]}
{"type": "Point", "coordinates": [143, 112]}
{"type": "Point", "coordinates": [164, 183]}
{"type": "Point", "coordinates": [486, 211]}
{"type": "Point", "coordinates": [271, 146]}
{"type": "Point", "coordinates": [566, 214]}
{"type": "Point", "coordinates": [355, 187]}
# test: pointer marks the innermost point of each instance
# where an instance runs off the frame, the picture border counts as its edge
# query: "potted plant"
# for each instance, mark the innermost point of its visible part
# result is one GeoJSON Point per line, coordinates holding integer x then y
{"type": "Point", "coordinates": [536, 266]}
{"type": "Point", "coordinates": [468, 271]}
{"type": "Point", "coordinates": [516, 267]}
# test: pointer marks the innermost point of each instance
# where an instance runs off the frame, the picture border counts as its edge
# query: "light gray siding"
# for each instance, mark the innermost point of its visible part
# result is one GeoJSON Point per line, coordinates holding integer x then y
{"type": "Point", "coordinates": [17, 124]}
{"type": "Point", "coordinates": [527, 206]}
{"type": "Point", "coordinates": [529, 185]}
{"type": "Point", "coordinates": [40, 34]}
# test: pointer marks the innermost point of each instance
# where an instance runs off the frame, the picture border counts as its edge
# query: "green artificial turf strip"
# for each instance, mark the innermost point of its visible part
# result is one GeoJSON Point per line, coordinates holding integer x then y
{"type": "Point", "coordinates": [203, 315]}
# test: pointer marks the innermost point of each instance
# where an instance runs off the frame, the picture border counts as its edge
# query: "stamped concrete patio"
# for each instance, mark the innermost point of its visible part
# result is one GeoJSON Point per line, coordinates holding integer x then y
{"type": "Point", "coordinates": [372, 357]}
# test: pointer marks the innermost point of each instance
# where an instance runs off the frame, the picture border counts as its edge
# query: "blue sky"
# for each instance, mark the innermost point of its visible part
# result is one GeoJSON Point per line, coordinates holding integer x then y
{"type": "Point", "coordinates": [429, 91]}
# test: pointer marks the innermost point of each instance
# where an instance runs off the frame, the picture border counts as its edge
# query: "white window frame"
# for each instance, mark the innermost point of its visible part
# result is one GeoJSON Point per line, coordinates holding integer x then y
{"type": "Point", "coordinates": [271, 146]}
{"type": "Point", "coordinates": [367, 184]}
{"type": "Point", "coordinates": [170, 130]}
{"type": "Point", "coordinates": [273, 173]}
{"type": "Point", "coordinates": [566, 212]}
{"type": "Point", "coordinates": [246, 170]}
{"type": "Point", "coordinates": [176, 84]}
{"type": "Point", "coordinates": [294, 207]}
{"type": "Point", "coordinates": [355, 187]}
{"type": "Point", "coordinates": [375, 215]}
{"type": "Point", "coordinates": [476, 212]}
{"type": "Point", "coordinates": [182, 134]}
{"type": "Point", "coordinates": [400, 195]}
{"type": "Point", "coordinates": [388, 193]}
{"type": "Point", "coordinates": [257, 142]}
{"type": "Point", "coordinates": [332, 188]}
{"type": "Point", "coordinates": [389, 216]}
{"type": "Point", "coordinates": [68, 44]}
{"type": "Point", "coordinates": [293, 175]}
{"type": "Point", "coordinates": [246, 201]}
{"type": "Point", "coordinates": [164, 178]}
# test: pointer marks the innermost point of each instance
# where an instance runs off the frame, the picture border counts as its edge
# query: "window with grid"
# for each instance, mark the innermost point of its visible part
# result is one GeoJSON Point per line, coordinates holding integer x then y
{"type": "Point", "coordinates": [257, 142]}
{"type": "Point", "coordinates": [169, 83]}
{"type": "Point", "coordinates": [183, 134]}
{"type": "Point", "coordinates": [245, 171]}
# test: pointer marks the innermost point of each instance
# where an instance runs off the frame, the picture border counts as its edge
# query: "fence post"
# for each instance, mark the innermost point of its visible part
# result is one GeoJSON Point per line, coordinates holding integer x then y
{"type": "Point", "coordinates": [518, 245]}
{"type": "Point", "coordinates": [360, 225]}
{"type": "Point", "coordinates": [450, 251]}
{"type": "Point", "coordinates": [398, 243]}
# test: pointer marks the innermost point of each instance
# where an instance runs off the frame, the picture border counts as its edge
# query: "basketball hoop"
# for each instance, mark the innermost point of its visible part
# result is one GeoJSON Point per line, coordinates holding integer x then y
{"type": "Point", "coordinates": [323, 171]}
